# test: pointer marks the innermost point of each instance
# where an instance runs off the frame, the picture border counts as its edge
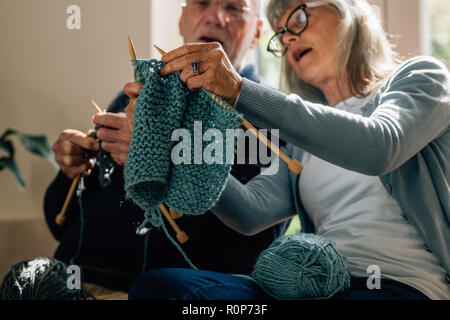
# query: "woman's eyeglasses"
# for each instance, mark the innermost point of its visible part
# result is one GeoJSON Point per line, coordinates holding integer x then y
{"type": "Point", "coordinates": [296, 23]}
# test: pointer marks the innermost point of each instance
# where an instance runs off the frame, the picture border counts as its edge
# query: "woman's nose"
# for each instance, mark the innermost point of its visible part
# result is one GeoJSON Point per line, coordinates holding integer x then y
{"type": "Point", "coordinates": [288, 39]}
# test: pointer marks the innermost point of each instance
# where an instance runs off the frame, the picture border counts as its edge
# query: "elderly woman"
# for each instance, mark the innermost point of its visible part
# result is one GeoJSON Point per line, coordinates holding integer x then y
{"type": "Point", "coordinates": [373, 136]}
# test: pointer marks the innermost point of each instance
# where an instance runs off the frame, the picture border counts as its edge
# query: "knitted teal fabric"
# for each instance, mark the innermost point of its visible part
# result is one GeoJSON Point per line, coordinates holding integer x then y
{"type": "Point", "coordinates": [151, 177]}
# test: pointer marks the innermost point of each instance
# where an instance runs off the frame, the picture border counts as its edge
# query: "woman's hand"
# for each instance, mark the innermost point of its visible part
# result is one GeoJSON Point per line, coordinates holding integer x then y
{"type": "Point", "coordinates": [132, 90]}
{"type": "Point", "coordinates": [216, 73]}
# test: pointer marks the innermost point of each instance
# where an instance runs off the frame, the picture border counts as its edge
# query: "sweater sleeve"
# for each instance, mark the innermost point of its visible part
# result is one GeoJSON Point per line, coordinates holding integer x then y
{"type": "Point", "coordinates": [412, 110]}
{"type": "Point", "coordinates": [263, 202]}
{"type": "Point", "coordinates": [119, 103]}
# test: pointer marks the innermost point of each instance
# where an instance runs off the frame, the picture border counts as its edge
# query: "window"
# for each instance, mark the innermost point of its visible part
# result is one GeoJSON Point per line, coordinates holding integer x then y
{"type": "Point", "coordinates": [440, 29]}
{"type": "Point", "coordinates": [269, 66]}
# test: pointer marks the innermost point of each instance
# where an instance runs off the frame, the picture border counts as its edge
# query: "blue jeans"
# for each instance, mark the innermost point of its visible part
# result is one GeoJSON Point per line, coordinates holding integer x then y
{"type": "Point", "coordinates": [190, 284]}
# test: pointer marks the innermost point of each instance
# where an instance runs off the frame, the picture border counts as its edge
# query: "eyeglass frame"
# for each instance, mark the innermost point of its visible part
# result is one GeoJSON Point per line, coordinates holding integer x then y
{"type": "Point", "coordinates": [285, 29]}
{"type": "Point", "coordinates": [245, 10]}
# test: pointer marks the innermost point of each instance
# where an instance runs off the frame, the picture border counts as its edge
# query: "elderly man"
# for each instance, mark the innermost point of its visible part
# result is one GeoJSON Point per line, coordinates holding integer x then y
{"type": "Point", "coordinates": [100, 231]}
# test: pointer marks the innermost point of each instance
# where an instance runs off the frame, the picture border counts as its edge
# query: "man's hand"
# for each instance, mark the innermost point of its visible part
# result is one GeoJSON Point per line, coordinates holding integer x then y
{"type": "Point", "coordinates": [116, 137]}
{"type": "Point", "coordinates": [71, 152]}
{"type": "Point", "coordinates": [132, 90]}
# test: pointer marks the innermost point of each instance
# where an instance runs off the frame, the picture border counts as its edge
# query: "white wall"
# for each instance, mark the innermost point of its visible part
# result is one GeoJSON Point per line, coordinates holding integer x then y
{"type": "Point", "coordinates": [49, 74]}
{"type": "Point", "coordinates": [407, 21]}
{"type": "Point", "coordinates": [165, 32]}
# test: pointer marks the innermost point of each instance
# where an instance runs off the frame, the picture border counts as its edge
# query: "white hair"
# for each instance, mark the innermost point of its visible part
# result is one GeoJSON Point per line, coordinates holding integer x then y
{"type": "Point", "coordinates": [363, 51]}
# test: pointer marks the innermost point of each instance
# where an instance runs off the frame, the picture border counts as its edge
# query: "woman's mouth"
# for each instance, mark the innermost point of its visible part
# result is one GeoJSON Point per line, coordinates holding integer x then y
{"type": "Point", "coordinates": [299, 54]}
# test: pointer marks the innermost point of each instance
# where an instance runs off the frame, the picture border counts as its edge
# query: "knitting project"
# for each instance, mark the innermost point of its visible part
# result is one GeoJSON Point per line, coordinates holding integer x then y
{"type": "Point", "coordinates": [151, 177]}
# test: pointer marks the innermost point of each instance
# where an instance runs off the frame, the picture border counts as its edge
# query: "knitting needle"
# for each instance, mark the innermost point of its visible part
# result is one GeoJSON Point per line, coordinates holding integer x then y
{"type": "Point", "coordinates": [181, 235]}
{"type": "Point", "coordinates": [132, 51]}
{"type": "Point", "coordinates": [61, 217]}
{"type": "Point", "coordinates": [175, 214]}
{"type": "Point", "coordinates": [293, 165]}
{"type": "Point", "coordinates": [97, 108]}
{"type": "Point", "coordinates": [161, 51]}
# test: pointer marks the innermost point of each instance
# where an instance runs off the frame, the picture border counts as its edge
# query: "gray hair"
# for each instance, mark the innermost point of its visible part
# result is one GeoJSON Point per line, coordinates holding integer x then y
{"type": "Point", "coordinates": [363, 51]}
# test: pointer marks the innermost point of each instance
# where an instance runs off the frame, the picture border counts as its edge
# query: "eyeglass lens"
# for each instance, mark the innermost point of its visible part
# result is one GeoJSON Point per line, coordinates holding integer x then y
{"type": "Point", "coordinates": [296, 24]}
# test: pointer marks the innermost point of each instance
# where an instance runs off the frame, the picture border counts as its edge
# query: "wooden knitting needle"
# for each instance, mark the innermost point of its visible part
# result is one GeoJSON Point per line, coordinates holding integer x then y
{"type": "Point", "coordinates": [131, 48]}
{"type": "Point", "coordinates": [161, 51]}
{"type": "Point", "coordinates": [97, 108]}
{"type": "Point", "coordinates": [294, 166]}
{"type": "Point", "coordinates": [175, 214]}
{"type": "Point", "coordinates": [181, 235]}
{"type": "Point", "coordinates": [61, 217]}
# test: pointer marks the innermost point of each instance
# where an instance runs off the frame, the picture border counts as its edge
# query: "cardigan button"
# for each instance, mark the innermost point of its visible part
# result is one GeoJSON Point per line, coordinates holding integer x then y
{"type": "Point", "coordinates": [427, 248]}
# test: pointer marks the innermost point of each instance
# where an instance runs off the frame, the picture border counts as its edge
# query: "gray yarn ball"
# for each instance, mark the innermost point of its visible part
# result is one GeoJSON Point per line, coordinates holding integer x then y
{"type": "Point", "coordinates": [302, 266]}
{"type": "Point", "coordinates": [38, 279]}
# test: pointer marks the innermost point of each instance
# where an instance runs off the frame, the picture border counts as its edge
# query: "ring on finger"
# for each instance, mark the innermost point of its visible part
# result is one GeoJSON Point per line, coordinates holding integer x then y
{"type": "Point", "coordinates": [195, 66]}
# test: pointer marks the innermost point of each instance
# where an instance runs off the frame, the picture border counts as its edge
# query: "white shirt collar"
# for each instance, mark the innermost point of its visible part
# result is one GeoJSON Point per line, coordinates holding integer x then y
{"type": "Point", "coordinates": [356, 104]}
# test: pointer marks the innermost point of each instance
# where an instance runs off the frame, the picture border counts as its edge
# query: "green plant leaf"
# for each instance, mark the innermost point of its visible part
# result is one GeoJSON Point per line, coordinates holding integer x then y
{"type": "Point", "coordinates": [11, 164]}
{"type": "Point", "coordinates": [37, 144]}
{"type": "Point", "coordinates": [7, 146]}
{"type": "Point", "coordinates": [7, 133]}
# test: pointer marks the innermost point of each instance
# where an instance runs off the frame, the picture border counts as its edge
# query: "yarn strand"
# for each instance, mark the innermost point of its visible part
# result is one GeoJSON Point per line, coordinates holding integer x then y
{"type": "Point", "coordinates": [171, 239]}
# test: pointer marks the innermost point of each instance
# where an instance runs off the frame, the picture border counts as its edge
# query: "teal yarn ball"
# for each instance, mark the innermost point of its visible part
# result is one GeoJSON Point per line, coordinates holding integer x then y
{"type": "Point", "coordinates": [302, 266]}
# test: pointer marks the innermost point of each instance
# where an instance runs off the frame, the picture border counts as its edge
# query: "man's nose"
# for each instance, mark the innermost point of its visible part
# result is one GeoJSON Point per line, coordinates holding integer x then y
{"type": "Point", "coordinates": [216, 15]}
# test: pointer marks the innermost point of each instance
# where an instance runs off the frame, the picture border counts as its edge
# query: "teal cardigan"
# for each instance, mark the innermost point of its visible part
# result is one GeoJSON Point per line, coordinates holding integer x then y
{"type": "Point", "coordinates": [403, 137]}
